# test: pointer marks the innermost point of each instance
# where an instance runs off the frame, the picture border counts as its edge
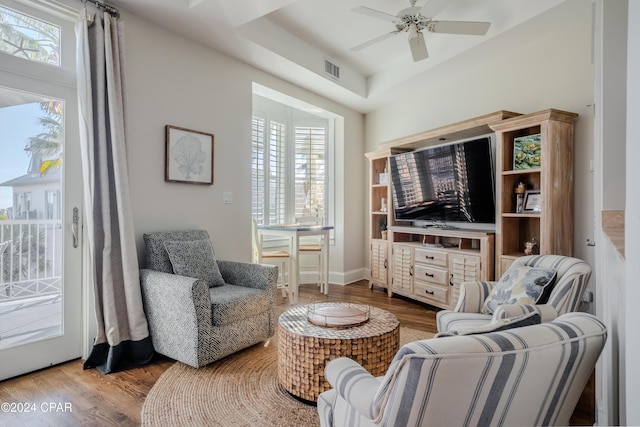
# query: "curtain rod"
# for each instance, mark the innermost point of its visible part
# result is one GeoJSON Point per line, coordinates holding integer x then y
{"type": "Point", "coordinates": [109, 9]}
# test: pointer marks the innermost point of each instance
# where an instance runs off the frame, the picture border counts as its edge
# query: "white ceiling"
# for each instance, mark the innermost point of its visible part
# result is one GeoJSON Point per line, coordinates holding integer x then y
{"type": "Point", "coordinates": [292, 38]}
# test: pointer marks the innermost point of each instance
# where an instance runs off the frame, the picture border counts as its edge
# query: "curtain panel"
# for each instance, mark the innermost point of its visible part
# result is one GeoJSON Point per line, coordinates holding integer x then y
{"type": "Point", "coordinates": [123, 336]}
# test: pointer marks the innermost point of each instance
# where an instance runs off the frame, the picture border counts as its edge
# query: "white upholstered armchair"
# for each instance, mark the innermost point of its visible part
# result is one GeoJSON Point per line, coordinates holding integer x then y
{"type": "Point", "coordinates": [532, 375]}
{"type": "Point", "coordinates": [565, 296]}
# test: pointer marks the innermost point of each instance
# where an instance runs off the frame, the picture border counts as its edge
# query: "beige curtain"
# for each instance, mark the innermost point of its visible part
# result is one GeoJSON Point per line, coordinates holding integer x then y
{"type": "Point", "coordinates": [123, 336]}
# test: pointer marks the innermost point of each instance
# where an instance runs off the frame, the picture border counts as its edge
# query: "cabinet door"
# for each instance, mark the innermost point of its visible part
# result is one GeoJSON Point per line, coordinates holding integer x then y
{"type": "Point", "coordinates": [379, 262]}
{"type": "Point", "coordinates": [462, 268]}
{"type": "Point", "coordinates": [505, 263]}
{"type": "Point", "coordinates": [402, 268]}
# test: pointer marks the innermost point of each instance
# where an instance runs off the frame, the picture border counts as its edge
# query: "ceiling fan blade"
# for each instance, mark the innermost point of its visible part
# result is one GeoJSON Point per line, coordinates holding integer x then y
{"type": "Point", "coordinates": [418, 48]}
{"type": "Point", "coordinates": [374, 41]}
{"type": "Point", "coordinates": [375, 14]}
{"type": "Point", "coordinates": [459, 27]}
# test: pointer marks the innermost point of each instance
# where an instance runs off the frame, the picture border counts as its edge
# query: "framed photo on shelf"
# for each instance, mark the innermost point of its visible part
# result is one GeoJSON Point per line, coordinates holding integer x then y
{"type": "Point", "coordinates": [532, 201]}
{"type": "Point", "coordinates": [527, 152]}
{"type": "Point", "coordinates": [189, 156]}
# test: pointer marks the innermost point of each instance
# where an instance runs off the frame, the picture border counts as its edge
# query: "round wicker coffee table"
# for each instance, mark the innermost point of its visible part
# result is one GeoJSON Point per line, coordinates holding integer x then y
{"type": "Point", "coordinates": [304, 348]}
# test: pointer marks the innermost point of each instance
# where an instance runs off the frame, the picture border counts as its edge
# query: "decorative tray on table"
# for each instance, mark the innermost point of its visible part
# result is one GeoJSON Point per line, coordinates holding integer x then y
{"type": "Point", "coordinates": [337, 315]}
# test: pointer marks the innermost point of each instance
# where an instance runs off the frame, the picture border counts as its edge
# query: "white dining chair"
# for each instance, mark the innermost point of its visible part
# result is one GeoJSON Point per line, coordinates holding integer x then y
{"type": "Point", "coordinates": [279, 258]}
{"type": "Point", "coordinates": [313, 248]}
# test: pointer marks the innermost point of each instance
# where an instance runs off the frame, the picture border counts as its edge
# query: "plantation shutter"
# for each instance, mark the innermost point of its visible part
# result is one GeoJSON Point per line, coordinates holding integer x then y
{"type": "Point", "coordinates": [277, 171]}
{"type": "Point", "coordinates": [268, 170]}
{"type": "Point", "coordinates": [310, 171]}
{"type": "Point", "coordinates": [257, 168]}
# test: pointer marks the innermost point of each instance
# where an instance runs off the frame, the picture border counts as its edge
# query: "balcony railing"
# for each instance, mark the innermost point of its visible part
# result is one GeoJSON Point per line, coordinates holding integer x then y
{"type": "Point", "coordinates": [31, 265]}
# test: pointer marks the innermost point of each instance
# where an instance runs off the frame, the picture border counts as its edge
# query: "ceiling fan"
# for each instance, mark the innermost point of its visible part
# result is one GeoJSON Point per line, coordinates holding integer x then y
{"type": "Point", "coordinates": [413, 21]}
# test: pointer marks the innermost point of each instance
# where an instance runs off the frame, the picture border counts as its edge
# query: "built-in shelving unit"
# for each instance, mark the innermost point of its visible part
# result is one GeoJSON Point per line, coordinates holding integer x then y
{"type": "Point", "coordinates": [380, 216]}
{"type": "Point", "coordinates": [552, 224]}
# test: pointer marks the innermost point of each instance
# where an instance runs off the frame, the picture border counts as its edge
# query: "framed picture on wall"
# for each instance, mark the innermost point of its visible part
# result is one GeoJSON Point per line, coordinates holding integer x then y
{"type": "Point", "coordinates": [532, 201]}
{"type": "Point", "coordinates": [188, 156]}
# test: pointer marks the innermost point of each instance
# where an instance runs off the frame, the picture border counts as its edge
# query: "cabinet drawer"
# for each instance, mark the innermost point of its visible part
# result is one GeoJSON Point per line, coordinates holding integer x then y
{"type": "Point", "coordinates": [431, 274]}
{"type": "Point", "coordinates": [431, 256]}
{"type": "Point", "coordinates": [429, 291]}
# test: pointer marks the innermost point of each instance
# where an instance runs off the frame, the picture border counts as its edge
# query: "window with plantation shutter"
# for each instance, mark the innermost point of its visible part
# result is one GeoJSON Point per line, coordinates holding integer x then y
{"type": "Point", "coordinates": [289, 170]}
{"type": "Point", "coordinates": [277, 174]}
{"type": "Point", "coordinates": [268, 171]}
{"type": "Point", "coordinates": [257, 168]}
{"type": "Point", "coordinates": [310, 176]}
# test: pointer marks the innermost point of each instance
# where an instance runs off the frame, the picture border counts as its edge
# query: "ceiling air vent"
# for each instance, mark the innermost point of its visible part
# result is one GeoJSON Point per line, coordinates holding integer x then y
{"type": "Point", "coordinates": [332, 69]}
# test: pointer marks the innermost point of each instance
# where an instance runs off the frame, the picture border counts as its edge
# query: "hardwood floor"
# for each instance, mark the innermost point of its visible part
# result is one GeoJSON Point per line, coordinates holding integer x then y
{"type": "Point", "coordinates": [67, 395]}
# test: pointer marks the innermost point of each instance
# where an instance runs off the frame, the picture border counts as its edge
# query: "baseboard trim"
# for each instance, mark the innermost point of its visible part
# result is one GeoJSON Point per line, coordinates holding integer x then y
{"type": "Point", "coordinates": [338, 278]}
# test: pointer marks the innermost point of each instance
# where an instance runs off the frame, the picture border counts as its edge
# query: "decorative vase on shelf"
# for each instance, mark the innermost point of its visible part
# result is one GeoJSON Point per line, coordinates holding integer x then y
{"type": "Point", "coordinates": [520, 190]}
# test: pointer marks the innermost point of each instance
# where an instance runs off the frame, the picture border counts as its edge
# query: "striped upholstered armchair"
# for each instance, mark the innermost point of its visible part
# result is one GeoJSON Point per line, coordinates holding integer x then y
{"type": "Point", "coordinates": [201, 309]}
{"type": "Point", "coordinates": [532, 375]}
{"type": "Point", "coordinates": [563, 296]}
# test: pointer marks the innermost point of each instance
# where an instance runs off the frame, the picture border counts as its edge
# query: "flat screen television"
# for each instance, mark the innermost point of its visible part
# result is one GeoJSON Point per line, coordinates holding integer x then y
{"type": "Point", "coordinates": [452, 183]}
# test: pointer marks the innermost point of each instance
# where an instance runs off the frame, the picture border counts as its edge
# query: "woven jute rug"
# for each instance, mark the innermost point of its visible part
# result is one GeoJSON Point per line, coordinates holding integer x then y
{"type": "Point", "coordinates": [240, 390]}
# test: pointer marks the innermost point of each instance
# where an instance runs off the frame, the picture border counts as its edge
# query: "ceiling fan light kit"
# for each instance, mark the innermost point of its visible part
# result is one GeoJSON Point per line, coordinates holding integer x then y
{"type": "Point", "coordinates": [411, 21]}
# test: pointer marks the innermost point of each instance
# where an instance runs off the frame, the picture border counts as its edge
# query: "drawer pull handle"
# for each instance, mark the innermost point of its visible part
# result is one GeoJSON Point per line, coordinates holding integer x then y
{"type": "Point", "coordinates": [428, 275]}
{"type": "Point", "coordinates": [430, 292]}
{"type": "Point", "coordinates": [430, 257]}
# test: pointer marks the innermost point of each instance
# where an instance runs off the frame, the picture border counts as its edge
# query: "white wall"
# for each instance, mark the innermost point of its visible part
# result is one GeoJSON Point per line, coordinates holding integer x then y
{"type": "Point", "coordinates": [609, 142]}
{"type": "Point", "coordinates": [545, 63]}
{"type": "Point", "coordinates": [172, 80]}
{"type": "Point", "coordinates": [632, 218]}
{"type": "Point", "coordinates": [614, 54]}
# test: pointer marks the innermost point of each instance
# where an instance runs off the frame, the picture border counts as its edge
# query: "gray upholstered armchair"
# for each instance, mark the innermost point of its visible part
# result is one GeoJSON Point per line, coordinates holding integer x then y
{"type": "Point", "coordinates": [532, 375]}
{"type": "Point", "coordinates": [201, 309]}
{"type": "Point", "coordinates": [571, 279]}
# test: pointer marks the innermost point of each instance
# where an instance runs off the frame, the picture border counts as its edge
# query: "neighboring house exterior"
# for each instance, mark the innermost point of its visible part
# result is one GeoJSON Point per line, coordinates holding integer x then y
{"type": "Point", "coordinates": [35, 196]}
{"type": "Point", "coordinates": [34, 219]}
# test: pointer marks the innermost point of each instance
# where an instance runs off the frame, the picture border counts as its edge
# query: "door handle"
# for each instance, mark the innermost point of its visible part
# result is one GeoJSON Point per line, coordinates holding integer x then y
{"type": "Point", "coordinates": [74, 227]}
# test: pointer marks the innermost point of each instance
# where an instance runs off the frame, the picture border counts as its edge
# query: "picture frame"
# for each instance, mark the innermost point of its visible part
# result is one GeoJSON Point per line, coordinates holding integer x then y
{"type": "Point", "coordinates": [532, 201]}
{"type": "Point", "coordinates": [188, 156]}
{"type": "Point", "coordinates": [527, 152]}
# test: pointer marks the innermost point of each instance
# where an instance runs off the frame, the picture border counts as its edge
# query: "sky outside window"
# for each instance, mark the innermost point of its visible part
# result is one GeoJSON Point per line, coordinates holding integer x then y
{"type": "Point", "coordinates": [17, 124]}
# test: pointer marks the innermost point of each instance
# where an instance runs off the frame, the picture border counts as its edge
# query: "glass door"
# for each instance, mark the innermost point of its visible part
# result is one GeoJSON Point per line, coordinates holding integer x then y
{"type": "Point", "coordinates": [40, 198]}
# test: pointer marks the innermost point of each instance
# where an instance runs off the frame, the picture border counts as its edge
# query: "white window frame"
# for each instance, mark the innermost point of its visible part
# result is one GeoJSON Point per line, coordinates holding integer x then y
{"type": "Point", "coordinates": [22, 203]}
{"type": "Point", "coordinates": [58, 14]}
{"type": "Point", "coordinates": [52, 204]}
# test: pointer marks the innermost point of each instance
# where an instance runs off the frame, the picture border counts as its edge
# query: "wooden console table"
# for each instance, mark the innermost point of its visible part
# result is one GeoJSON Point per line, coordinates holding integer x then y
{"type": "Point", "coordinates": [428, 264]}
